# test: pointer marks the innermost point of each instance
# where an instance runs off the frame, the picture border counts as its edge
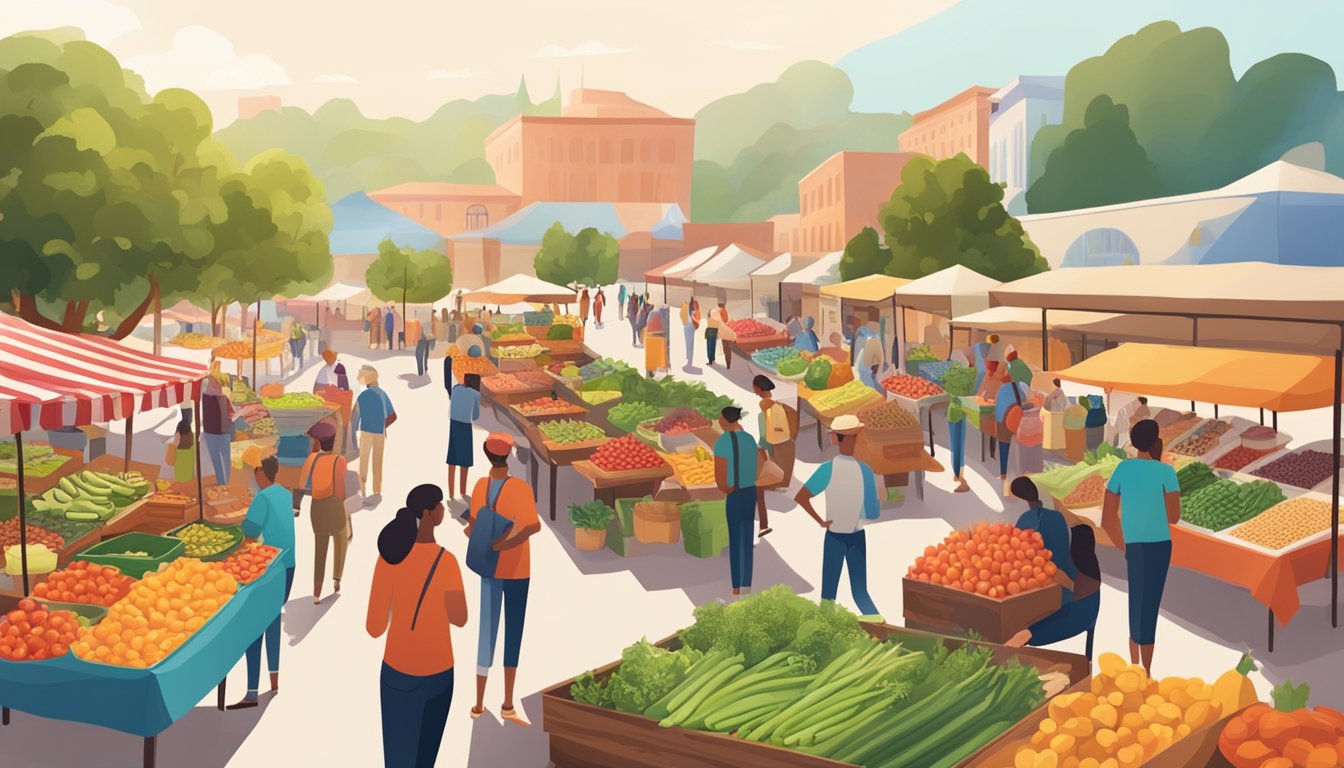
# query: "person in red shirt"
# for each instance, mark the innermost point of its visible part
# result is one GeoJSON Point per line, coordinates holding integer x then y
{"type": "Point", "coordinates": [416, 599]}
{"type": "Point", "coordinates": [510, 497]}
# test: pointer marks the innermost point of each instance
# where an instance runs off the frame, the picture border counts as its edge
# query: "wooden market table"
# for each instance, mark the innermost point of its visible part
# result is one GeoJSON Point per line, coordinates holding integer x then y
{"type": "Point", "coordinates": [607, 487]}
{"type": "Point", "coordinates": [897, 463]}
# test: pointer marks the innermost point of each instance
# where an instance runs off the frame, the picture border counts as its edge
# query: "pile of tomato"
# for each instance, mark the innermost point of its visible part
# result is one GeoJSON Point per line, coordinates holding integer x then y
{"type": "Point", "coordinates": [33, 633]}
{"type": "Point", "coordinates": [996, 560]}
{"type": "Point", "coordinates": [249, 562]}
{"type": "Point", "coordinates": [913, 387]}
{"type": "Point", "coordinates": [748, 328]}
{"type": "Point", "coordinates": [625, 454]}
{"type": "Point", "coordinates": [87, 583]}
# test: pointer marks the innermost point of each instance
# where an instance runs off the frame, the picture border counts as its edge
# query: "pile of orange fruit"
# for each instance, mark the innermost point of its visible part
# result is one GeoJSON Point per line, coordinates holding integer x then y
{"type": "Point", "coordinates": [996, 560]}
{"type": "Point", "coordinates": [31, 632]}
{"type": "Point", "coordinates": [87, 583]}
{"type": "Point", "coordinates": [158, 616]}
{"type": "Point", "coordinates": [464, 364]}
{"type": "Point", "coordinates": [249, 562]}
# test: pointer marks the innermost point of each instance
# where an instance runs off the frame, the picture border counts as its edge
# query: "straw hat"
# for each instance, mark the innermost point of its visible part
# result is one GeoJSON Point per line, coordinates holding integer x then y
{"type": "Point", "coordinates": [848, 424]}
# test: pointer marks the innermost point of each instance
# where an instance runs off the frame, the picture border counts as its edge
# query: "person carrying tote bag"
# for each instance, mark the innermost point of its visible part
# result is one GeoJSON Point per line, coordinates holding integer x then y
{"type": "Point", "coordinates": [331, 522]}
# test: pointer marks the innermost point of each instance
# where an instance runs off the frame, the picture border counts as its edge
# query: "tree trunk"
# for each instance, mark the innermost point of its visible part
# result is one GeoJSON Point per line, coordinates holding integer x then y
{"type": "Point", "coordinates": [158, 323]}
{"type": "Point", "coordinates": [28, 311]}
{"type": "Point", "coordinates": [132, 320]}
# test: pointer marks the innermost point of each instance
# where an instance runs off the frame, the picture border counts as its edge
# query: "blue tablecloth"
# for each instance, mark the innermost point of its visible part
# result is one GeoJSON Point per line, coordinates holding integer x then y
{"type": "Point", "coordinates": [144, 702]}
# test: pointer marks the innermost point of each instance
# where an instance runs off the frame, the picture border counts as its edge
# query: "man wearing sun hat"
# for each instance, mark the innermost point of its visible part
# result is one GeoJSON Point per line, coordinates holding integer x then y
{"type": "Point", "coordinates": [510, 497]}
{"type": "Point", "coordinates": [851, 498]}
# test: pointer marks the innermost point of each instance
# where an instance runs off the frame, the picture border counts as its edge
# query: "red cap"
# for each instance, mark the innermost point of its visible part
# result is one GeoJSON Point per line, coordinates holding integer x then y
{"type": "Point", "coordinates": [499, 443]}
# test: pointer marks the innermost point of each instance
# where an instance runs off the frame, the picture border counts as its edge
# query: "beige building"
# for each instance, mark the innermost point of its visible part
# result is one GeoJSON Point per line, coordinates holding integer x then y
{"type": "Point", "coordinates": [958, 125]}
{"type": "Point", "coordinates": [449, 208]}
{"type": "Point", "coordinates": [842, 196]}
{"type": "Point", "coordinates": [604, 147]}
{"type": "Point", "coordinates": [786, 229]}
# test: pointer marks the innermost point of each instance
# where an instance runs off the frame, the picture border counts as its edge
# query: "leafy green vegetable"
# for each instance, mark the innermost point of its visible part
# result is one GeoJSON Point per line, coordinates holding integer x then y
{"type": "Point", "coordinates": [921, 352]}
{"type": "Point", "coordinates": [646, 674]}
{"type": "Point", "coordinates": [542, 317]}
{"type": "Point", "coordinates": [1098, 455]}
{"type": "Point", "coordinates": [1288, 698]}
{"type": "Point", "coordinates": [595, 515]}
{"type": "Point", "coordinates": [771, 621]}
{"type": "Point", "coordinates": [958, 379]}
{"type": "Point", "coordinates": [561, 332]}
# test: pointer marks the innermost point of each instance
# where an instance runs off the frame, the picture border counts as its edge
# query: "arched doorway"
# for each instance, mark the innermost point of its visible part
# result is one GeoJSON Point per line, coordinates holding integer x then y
{"type": "Point", "coordinates": [1103, 247]}
{"type": "Point", "coordinates": [477, 218]}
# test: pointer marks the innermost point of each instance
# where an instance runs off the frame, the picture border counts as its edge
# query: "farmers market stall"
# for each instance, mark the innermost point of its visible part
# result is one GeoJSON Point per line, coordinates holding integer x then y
{"type": "Point", "coordinates": [1270, 556]}
{"type": "Point", "coordinates": [800, 293]}
{"type": "Point", "coordinates": [727, 275]}
{"type": "Point", "coordinates": [764, 284]}
{"type": "Point", "coordinates": [869, 299]}
{"type": "Point", "coordinates": [672, 274]}
{"type": "Point", "coordinates": [948, 293]}
{"type": "Point", "coordinates": [521, 288]}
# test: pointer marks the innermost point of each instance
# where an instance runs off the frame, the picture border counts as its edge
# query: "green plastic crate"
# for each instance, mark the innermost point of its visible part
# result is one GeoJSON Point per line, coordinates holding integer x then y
{"type": "Point", "coordinates": [705, 544]}
{"type": "Point", "coordinates": [161, 550]}
{"type": "Point", "coordinates": [94, 613]}
{"type": "Point", "coordinates": [625, 513]}
{"type": "Point", "coordinates": [702, 517]}
{"type": "Point", "coordinates": [234, 530]}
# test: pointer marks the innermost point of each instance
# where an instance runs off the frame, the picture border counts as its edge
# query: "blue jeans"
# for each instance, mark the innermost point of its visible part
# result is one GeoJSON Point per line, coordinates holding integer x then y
{"type": "Point", "coordinates": [511, 594]}
{"type": "Point", "coordinates": [1004, 445]}
{"type": "Point", "coordinates": [956, 438]}
{"type": "Point", "coordinates": [711, 344]}
{"type": "Point", "coordinates": [689, 331]}
{"type": "Point", "coordinates": [741, 508]}
{"type": "Point", "coordinates": [1072, 618]}
{"type": "Point", "coordinates": [415, 710]}
{"type": "Point", "coordinates": [1147, 564]}
{"type": "Point", "coordinates": [839, 550]}
{"type": "Point", "coordinates": [272, 638]}
{"type": "Point", "coordinates": [220, 450]}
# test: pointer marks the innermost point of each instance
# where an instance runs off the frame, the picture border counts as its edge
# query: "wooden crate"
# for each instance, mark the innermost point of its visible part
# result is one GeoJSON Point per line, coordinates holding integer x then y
{"type": "Point", "coordinates": [943, 609]}
{"type": "Point", "coordinates": [584, 736]}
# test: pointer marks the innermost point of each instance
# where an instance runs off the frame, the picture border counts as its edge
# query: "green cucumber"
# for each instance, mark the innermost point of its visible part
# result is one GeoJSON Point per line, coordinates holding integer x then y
{"type": "Point", "coordinates": [89, 517]}
{"type": "Point", "coordinates": [68, 486]}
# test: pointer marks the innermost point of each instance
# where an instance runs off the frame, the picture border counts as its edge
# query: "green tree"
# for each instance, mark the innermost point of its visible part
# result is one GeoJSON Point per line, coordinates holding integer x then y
{"type": "Point", "coordinates": [948, 212]}
{"type": "Point", "coordinates": [406, 275]}
{"type": "Point", "coordinates": [864, 255]}
{"type": "Point", "coordinates": [590, 257]}
{"type": "Point", "coordinates": [1099, 164]}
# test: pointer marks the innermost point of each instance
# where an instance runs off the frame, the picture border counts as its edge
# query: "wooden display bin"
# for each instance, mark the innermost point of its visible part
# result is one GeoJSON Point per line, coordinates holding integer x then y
{"type": "Point", "coordinates": [584, 736]}
{"type": "Point", "coordinates": [938, 608]}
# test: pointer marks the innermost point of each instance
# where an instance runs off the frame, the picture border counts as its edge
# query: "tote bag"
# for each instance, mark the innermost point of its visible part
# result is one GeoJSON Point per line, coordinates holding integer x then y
{"type": "Point", "coordinates": [482, 557]}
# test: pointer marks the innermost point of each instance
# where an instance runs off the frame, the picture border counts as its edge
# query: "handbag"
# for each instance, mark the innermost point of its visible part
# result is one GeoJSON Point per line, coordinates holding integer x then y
{"type": "Point", "coordinates": [489, 526]}
{"type": "Point", "coordinates": [1012, 418]}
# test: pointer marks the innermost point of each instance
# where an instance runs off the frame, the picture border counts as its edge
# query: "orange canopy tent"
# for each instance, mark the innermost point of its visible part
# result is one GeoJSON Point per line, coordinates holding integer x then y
{"type": "Point", "coordinates": [1270, 380]}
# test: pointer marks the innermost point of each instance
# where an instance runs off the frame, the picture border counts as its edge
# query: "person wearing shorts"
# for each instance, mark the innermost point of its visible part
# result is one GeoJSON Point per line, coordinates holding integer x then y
{"type": "Point", "coordinates": [1143, 501]}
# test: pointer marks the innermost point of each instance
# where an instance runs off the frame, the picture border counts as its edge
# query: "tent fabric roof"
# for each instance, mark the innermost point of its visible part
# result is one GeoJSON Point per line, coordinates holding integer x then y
{"type": "Point", "coordinates": [957, 290]}
{"type": "Point", "coordinates": [340, 291]}
{"type": "Point", "coordinates": [520, 288]}
{"type": "Point", "coordinates": [1253, 289]}
{"type": "Point", "coordinates": [824, 271]}
{"type": "Point", "coordinates": [51, 380]}
{"type": "Point", "coordinates": [729, 269]}
{"type": "Point", "coordinates": [680, 267]}
{"type": "Point", "coordinates": [872, 288]}
{"type": "Point", "coordinates": [776, 266]}
{"type": "Point", "coordinates": [359, 224]}
{"type": "Point", "coordinates": [1280, 382]}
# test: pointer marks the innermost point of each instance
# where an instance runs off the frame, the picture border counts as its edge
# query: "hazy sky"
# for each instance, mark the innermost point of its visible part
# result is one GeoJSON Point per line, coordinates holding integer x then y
{"type": "Point", "coordinates": [407, 57]}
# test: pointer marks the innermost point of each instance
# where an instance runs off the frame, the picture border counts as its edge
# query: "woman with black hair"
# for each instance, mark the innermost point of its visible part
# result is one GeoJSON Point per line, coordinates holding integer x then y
{"type": "Point", "coordinates": [1080, 614]}
{"type": "Point", "coordinates": [464, 410]}
{"type": "Point", "coordinates": [416, 598]}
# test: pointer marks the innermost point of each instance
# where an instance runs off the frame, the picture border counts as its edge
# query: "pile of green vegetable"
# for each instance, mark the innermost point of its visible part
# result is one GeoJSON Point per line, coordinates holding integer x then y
{"type": "Point", "coordinates": [561, 332]}
{"type": "Point", "coordinates": [668, 391]}
{"type": "Point", "coordinates": [1223, 504]}
{"type": "Point", "coordinates": [542, 317]}
{"type": "Point", "coordinates": [1194, 476]}
{"type": "Point", "coordinates": [779, 669]}
{"type": "Point", "coordinates": [1102, 454]}
{"type": "Point", "coordinates": [566, 431]}
{"type": "Point", "coordinates": [958, 379]}
{"type": "Point", "coordinates": [920, 352]}
{"type": "Point", "coordinates": [1060, 481]}
{"type": "Point", "coordinates": [595, 515]}
{"type": "Point", "coordinates": [293, 400]}
{"type": "Point", "coordinates": [627, 414]}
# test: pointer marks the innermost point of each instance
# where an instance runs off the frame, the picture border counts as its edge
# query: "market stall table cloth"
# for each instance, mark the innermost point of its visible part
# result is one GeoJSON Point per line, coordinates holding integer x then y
{"type": "Point", "coordinates": [145, 702]}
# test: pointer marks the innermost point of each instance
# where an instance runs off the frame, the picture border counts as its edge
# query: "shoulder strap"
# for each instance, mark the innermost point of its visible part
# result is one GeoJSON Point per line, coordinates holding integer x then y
{"type": "Point", "coordinates": [737, 466]}
{"type": "Point", "coordinates": [489, 502]}
{"type": "Point", "coordinates": [425, 588]}
{"type": "Point", "coordinates": [309, 482]}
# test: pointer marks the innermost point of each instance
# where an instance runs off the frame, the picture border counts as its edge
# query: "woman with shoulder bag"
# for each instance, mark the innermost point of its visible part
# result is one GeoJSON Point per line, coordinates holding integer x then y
{"type": "Point", "coordinates": [181, 454]}
{"type": "Point", "coordinates": [416, 599]}
{"type": "Point", "coordinates": [324, 477]}
{"type": "Point", "coordinates": [1007, 416]}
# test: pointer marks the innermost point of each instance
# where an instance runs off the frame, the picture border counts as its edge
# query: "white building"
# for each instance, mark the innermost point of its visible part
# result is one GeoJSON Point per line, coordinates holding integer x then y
{"type": "Point", "coordinates": [1022, 107]}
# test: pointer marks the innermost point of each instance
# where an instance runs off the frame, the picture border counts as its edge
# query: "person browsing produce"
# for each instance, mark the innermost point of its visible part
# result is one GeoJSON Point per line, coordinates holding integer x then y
{"type": "Point", "coordinates": [1052, 527]}
{"type": "Point", "coordinates": [269, 519]}
{"type": "Point", "coordinates": [217, 416]}
{"type": "Point", "coordinates": [462, 413]}
{"type": "Point", "coordinates": [504, 595]}
{"type": "Point", "coordinates": [376, 414]}
{"type": "Point", "coordinates": [416, 599]}
{"type": "Point", "coordinates": [778, 428]}
{"type": "Point", "coordinates": [1143, 501]}
{"type": "Point", "coordinates": [181, 453]}
{"type": "Point", "coordinates": [851, 492]}
{"type": "Point", "coordinates": [1078, 613]}
{"type": "Point", "coordinates": [735, 457]}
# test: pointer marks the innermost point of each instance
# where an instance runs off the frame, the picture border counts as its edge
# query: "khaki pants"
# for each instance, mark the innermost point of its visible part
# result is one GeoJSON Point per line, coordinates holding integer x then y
{"type": "Point", "coordinates": [371, 446]}
{"type": "Point", "coordinates": [329, 524]}
{"type": "Point", "coordinates": [784, 455]}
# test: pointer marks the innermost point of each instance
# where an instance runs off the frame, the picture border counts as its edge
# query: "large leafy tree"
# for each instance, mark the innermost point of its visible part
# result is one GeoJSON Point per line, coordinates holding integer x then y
{"type": "Point", "coordinates": [948, 212]}
{"type": "Point", "coordinates": [403, 274]}
{"type": "Point", "coordinates": [1104, 149]}
{"type": "Point", "coordinates": [587, 258]}
{"type": "Point", "coordinates": [864, 255]}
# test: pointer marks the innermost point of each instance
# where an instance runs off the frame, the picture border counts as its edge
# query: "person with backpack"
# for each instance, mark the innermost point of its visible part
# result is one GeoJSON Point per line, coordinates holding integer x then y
{"type": "Point", "coordinates": [323, 476]}
{"type": "Point", "coordinates": [416, 599]}
{"type": "Point", "coordinates": [735, 460]}
{"type": "Point", "coordinates": [778, 427]}
{"type": "Point", "coordinates": [850, 486]}
{"type": "Point", "coordinates": [376, 414]}
{"type": "Point", "coordinates": [503, 519]}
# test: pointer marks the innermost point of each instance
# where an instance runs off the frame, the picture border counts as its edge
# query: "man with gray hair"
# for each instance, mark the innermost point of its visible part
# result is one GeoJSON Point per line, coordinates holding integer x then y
{"type": "Point", "coordinates": [374, 415]}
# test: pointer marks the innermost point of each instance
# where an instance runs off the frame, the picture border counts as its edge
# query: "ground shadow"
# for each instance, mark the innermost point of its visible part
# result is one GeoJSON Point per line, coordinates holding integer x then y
{"type": "Point", "coordinates": [495, 742]}
{"type": "Point", "coordinates": [415, 381]}
{"type": "Point", "coordinates": [301, 616]}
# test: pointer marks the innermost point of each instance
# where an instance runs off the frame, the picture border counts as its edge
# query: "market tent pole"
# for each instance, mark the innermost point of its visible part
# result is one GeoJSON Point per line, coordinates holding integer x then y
{"type": "Point", "coordinates": [1045, 342]}
{"type": "Point", "coordinates": [1334, 486]}
{"type": "Point", "coordinates": [951, 339]}
{"type": "Point", "coordinates": [130, 426]}
{"type": "Point", "coordinates": [23, 514]}
{"type": "Point", "coordinates": [200, 482]}
{"type": "Point", "coordinates": [255, 322]}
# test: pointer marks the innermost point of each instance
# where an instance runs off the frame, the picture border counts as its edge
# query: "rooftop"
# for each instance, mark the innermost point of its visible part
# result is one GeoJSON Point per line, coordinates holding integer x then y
{"type": "Point", "coordinates": [527, 225]}
{"type": "Point", "coordinates": [441, 190]}
{"type": "Point", "coordinates": [359, 224]}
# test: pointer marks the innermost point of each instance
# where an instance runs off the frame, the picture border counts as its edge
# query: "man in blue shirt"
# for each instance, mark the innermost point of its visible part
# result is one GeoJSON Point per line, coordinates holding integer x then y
{"type": "Point", "coordinates": [269, 519]}
{"type": "Point", "coordinates": [1143, 501]}
{"type": "Point", "coordinates": [850, 486]}
{"type": "Point", "coordinates": [735, 462]}
{"type": "Point", "coordinates": [374, 415]}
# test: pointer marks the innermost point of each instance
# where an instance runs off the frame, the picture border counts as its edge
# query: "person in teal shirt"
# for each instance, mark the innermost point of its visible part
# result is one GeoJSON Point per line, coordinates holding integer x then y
{"type": "Point", "coordinates": [735, 456]}
{"type": "Point", "coordinates": [270, 517]}
{"type": "Point", "coordinates": [1143, 501]}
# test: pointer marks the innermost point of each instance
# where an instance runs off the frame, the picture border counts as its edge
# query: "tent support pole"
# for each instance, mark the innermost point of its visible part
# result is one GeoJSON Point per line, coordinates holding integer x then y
{"type": "Point", "coordinates": [130, 428]}
{"type": "Point", "coordinates": [23, 520]}
{"type": "Point", "coordinates": [1045, 342]}
{"type": "Point", "coordinates": [1334, 489]}
{"type": "Point", "coordinates": [1262, 417]}
{"type": "Point", "coordinates": [200, 481]}
{"type": "Point", "coordinates": [1276, 421]}
{"type": "Point", "coordinates": [951, 339]}
{"type": "Point", "coordinates": [1215, 410]}
{"type": "Point", "coordinates": [255, 321]}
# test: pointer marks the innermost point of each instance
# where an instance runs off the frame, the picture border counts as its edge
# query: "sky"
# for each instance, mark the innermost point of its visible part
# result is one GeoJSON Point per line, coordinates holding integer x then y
{"type": "Point", "coordinates": [408, 57]}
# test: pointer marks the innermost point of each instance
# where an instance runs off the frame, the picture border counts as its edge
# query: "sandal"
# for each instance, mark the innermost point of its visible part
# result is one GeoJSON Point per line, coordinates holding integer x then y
{"type": "Point", "coordinates": [763, 532]}
{"type": "Point", "coordinates": [476, 713]}
{"type": "Point", "coordinates": [511, 714]}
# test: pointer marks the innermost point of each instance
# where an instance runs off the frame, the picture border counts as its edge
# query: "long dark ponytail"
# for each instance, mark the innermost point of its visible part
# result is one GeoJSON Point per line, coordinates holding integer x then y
{"type": "Point", "coordinates": [1083, 550]}
{"type": "Point", "coordinates": [398, 536]}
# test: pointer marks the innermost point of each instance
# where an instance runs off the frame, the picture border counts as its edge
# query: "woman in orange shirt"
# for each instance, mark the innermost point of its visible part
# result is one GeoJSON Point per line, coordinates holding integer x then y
{"type": "Point", "coordinates": [416, 599]}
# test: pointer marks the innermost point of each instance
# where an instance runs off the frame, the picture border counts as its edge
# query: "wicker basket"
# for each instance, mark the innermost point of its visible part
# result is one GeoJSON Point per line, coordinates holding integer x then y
{"type": "Point", "coordinates": [657, 522]}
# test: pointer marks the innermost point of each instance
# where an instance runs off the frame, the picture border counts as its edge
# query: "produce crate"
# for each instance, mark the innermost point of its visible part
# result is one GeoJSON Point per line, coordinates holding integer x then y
{"type": "Point", "coordinates": [939, 608]}
{"type": "Point", "coordinates": [94, 613]}
{"type": "Point", "coordinates": [584, 736]}
{"type": "Point", "coordinates": [290, 422]}
{"type": "Point", "coordinates": [160, 548]}
{"type": "Point", "coordinates": [232, 530]}
{"type": "Point", "coordinates": [147, 517]}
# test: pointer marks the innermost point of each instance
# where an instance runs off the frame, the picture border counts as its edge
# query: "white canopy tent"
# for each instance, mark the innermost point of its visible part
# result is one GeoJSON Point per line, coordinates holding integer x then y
{"type": "Point", "coordinates": [800, 292]}
{"type": "Point", "coordinates": [766, 278]}
{"type": "Point", "coordinates": [521, 288]}
{"type": "Point", "coordinates": [730, 269]}
{"type": "Point", "coordinates": [950, 292]}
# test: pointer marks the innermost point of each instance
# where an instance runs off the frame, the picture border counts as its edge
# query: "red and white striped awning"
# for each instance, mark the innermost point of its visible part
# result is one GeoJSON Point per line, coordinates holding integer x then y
{"type": "Point", "coordinates": [51, 380]}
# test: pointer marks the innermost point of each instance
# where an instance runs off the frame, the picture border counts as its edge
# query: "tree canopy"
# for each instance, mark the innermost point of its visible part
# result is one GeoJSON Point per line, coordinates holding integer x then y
{"type": "Point", "coordinates": [587, 258]}
{"type": "Point", "coordinates": [405, 274]}
{"type": "Point", "coordinates": [945, 212]}
{"type": "Point", "coordinates": [110, 198]}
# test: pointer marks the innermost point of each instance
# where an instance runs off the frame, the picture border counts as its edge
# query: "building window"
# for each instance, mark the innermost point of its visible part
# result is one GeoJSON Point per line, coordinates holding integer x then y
{"type": "Point", "coordinates": [590, 186]}
{"type": "Point", "coordinates": [627, 150]}
{"type": "Point", "coordinates": [645, 151]}
{"type": "Point", "coordinates": [667, 150]}
{"type": "Point", "coordinates": [626, 187]}
{"type": "Point", "coordinates": [604, 153]}
{"type": "Point", "coordinates": [477, 218]}
{"type": "Point", "coordinates": [1104, 247]}
{"type": "Point", "coordinates": [648, 186]}
{"type": "Point", "coordinates": [576, 150]}
{"type": "Point", "coordinates": [590, 152]}
{"type": "Point", "coordinates": [438, 211]}
{"type": "Point", "coordinates": [556, 152]}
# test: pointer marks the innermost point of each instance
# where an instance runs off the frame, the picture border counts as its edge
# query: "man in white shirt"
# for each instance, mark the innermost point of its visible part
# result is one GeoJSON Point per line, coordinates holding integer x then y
{"type": "Point", "coordinates": [851, 497]}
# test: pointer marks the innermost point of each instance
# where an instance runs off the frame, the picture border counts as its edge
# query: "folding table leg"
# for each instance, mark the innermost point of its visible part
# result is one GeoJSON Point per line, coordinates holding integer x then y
{"type": "Point", "coordinates": [553, 471]}
{"type": "Point", "coordinates": [4, 715]}
{"type": "Point", "coordinates": [1271, 630]}
{"type": "Point", "coordinates": [151, 751]}
{"type": "Point", "coordinates": [931, 448]}
{"type": "Point", "coordinates": [535, 476]}
{"type": "Point", "coordinates": [219, 695]}
{"type": "Point", "coordinates": [819, 446]}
